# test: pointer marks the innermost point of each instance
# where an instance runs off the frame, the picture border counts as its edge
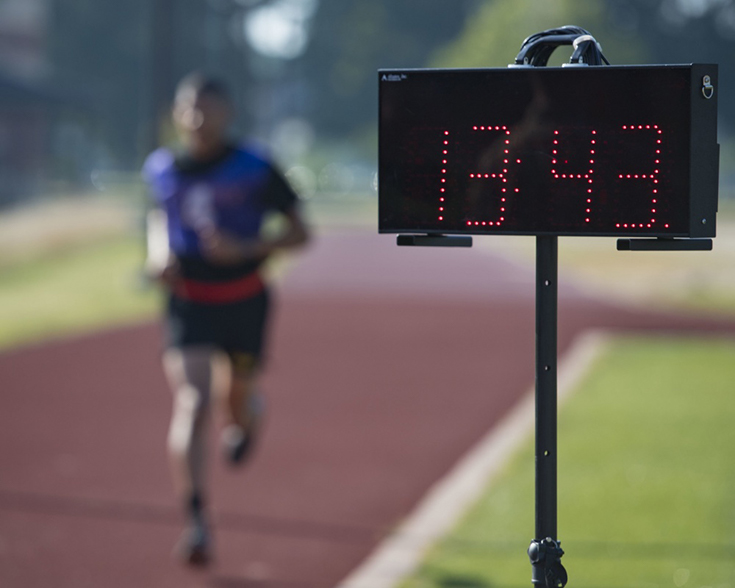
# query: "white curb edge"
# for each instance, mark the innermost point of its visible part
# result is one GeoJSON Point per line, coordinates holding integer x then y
{"type": "Point", "coordinates": [447, 500]}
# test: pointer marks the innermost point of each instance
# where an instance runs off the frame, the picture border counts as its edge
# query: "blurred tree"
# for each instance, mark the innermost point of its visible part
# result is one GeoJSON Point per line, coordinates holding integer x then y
{"type": "Point", "coordinates": [495, 32]}
{"type": "Point", "coordinates": [353, 38]}
{"type": "Point", "coordinates": [630, 31]}
{"type": "Point", "coordinates": [685, 31]}
{"type": "Point", "coordinates": [96, 49]}
{"type": "Point", "coordinates": [126, 57]}
{"type": "Point", "coordinates": [118, 53]}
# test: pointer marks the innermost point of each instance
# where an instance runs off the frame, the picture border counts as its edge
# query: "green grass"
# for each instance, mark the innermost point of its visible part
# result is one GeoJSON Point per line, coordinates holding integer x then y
{"type": "Point", "coordinates": [646, 481]}
{"type": "Point", "coordinates": [78, 288]}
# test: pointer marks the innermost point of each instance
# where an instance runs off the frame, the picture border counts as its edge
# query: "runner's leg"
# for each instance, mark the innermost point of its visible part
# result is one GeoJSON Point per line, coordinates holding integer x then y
{"type": "Point", "coordinates": [189, 372]}
{"type": "Point", "coordinates": [243, 375]}
{"type": "Point", "coordinates": [240, 404]}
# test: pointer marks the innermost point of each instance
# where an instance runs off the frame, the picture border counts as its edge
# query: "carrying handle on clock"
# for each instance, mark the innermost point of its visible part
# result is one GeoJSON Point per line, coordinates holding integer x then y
{"type": "Point", "coordinates": [536, 49]}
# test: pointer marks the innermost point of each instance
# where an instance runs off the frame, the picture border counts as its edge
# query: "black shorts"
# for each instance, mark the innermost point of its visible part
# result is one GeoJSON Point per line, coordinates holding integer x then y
{"type": "Point", "coordinates": [238, 328]}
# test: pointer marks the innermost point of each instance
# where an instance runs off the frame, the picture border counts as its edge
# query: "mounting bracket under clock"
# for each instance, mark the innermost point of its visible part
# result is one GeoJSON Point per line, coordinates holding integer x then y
{"type": "Point", "coordinates": [614, 151]}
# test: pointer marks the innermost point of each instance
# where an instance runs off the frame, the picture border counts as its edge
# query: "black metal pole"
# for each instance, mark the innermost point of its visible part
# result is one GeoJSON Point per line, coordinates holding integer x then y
{"type": "Point", "coordinates": [545, 552]}
{"type": "Point", "coordinates": [546, 354]}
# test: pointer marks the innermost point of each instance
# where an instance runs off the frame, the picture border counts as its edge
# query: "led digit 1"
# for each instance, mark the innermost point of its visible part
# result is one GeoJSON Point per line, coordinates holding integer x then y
{"type": "Point", "coordinates": [644, 182]}
{"type": "Point", "coordinates": [580, 170]}
{"type": "Point", "coordinates": [443, 177]}
{"type": "Point", "coordinates": [490, 168]}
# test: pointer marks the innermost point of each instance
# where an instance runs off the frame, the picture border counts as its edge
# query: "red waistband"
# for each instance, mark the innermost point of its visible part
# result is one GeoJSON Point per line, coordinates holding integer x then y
{"type": "Point", "coordinates": [220, 292]}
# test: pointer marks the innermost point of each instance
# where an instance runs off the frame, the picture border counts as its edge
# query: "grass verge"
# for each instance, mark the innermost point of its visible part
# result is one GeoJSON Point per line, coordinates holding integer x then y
{"type": "Point", "coordinates": [646, 481]}
{"type": "Point", "coordinates": [75, 289]}
{"type": "Point", "coordinates": [73, 266]}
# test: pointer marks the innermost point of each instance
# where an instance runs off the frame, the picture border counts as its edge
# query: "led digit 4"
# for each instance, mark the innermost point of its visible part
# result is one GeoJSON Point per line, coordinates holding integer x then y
{"type": "Point", "coordinates": [584, 168]}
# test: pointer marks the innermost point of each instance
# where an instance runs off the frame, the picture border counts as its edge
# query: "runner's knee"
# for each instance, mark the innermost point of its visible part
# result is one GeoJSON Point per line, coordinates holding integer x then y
{"type": "Point", "coordinates": [191, 402]}
{"type": "Point", "coordinates": [188, 420]}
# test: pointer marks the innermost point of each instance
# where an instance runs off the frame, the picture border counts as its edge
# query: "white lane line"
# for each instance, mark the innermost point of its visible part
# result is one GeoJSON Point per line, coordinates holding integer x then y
{"type": "Point", "coordinates": [445, 502]}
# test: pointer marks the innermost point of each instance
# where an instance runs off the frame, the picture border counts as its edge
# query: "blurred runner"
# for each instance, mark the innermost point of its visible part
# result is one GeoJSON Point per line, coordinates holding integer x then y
{"type": "Point", "coordinates": [205, 247]}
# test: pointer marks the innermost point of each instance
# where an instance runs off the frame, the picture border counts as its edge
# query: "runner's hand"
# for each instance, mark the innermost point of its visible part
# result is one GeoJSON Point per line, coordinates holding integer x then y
{"type": "Point", "coordinates": [224, 249]}
{"type": "Point", "coordinates": [167, 275]}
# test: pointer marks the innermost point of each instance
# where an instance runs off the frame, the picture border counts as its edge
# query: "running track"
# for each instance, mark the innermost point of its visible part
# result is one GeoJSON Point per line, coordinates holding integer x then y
{"type": "Point", "coordinates": [387, 364]}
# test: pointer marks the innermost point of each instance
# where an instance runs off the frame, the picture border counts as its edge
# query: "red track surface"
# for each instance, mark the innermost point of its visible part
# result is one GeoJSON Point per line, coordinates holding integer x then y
{"type": "Point", "coordinates": [387, 364]}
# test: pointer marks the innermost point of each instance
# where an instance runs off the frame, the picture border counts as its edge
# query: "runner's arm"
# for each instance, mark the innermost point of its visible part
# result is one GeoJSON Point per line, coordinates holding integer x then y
{"type": "Point", "coordinates": [160, 263]}
{"type": "Point", "coordinates": [221, 247]}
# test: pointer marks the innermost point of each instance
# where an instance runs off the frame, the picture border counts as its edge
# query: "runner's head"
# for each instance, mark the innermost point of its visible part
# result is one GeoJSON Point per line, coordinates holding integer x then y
{"type": "Point", "coordinates": [202, 114]}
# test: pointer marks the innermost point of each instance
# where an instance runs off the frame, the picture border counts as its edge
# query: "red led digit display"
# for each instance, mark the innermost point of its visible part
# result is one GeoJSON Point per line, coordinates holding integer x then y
{"type": "Point", "coordinates": [572, 151]}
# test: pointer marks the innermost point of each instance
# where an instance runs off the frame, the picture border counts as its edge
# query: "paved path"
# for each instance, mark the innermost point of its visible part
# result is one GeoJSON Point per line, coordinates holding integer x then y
{"type": "Point", "coordinates": [387, 365]}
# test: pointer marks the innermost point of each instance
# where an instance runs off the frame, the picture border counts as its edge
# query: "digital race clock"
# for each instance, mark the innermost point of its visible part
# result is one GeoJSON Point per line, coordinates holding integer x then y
{"type": "Point", "coordinates": [608, 151]}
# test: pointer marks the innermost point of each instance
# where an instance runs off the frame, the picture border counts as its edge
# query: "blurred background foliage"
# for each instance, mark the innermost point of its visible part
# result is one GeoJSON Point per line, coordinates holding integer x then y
{"type": "Point", "coordinates": [85, 84]}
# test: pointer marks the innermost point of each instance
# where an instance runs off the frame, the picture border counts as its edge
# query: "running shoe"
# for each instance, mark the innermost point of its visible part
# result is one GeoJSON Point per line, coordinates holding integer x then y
{"type": "Point", "coordinates": [194, 545]}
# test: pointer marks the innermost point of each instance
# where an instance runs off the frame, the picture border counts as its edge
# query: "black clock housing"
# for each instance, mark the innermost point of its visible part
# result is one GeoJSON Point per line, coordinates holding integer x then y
{"type": "Point", "coordinates": [590, 150]}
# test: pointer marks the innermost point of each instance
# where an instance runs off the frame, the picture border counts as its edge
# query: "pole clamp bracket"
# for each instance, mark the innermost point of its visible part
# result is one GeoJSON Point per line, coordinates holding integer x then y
{"type": "Point", "coordinates": [545, 556]}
